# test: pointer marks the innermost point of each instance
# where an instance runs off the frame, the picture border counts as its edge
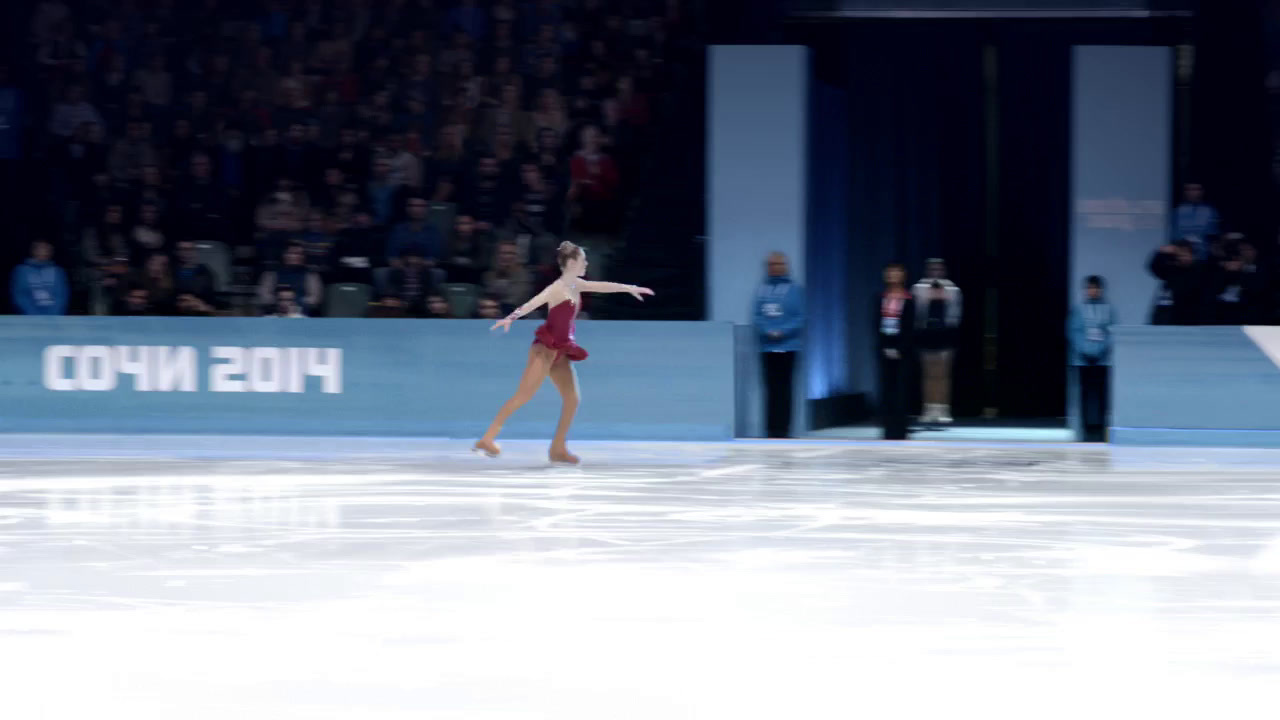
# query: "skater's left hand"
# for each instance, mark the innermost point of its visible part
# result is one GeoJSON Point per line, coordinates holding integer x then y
{"type": "Point", "coordinates": [504, 323]}
{"type": "Point", "coordinates": [639, 292]}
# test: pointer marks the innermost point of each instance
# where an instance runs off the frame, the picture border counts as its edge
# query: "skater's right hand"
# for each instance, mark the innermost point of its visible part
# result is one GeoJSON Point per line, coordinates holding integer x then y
{"type": "Point", "coordinates": [504, 323]}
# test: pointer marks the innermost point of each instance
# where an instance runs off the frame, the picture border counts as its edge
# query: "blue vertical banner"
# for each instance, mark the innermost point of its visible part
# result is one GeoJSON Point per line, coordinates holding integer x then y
{"type": "Point", "coordinates": [757, 192]}
{"type": "Point", "coordinates": [1121, 173]}
{"type": "Point", "coordinates": [1121, 147]}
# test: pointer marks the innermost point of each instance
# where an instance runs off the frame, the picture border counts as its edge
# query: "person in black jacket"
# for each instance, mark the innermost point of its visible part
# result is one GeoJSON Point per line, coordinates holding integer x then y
{"type": "Point", "coordinates": [1240, 286]}
{"type": "Point", "coordinates": [194, 284]}
{"type": "Point", "coordinates": [1182, 296]}
{"type": "Point", "coordinates": [895, 334]}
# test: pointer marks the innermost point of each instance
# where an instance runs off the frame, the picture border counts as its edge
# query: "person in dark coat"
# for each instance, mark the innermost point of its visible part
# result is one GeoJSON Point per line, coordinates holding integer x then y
{"type": "Point", "coordinates": [1240, 287]}
{"type": "Point", "coordinates": [1182, 293]}
{"type": "Point", "coordinates": [895, 334]}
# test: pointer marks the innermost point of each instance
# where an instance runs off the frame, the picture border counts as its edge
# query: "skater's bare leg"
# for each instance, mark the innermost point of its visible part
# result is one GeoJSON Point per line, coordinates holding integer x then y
{"type": "Point", "coordinates": [566, 381]}
{"type": "Point", "coordinates": [540, 359]}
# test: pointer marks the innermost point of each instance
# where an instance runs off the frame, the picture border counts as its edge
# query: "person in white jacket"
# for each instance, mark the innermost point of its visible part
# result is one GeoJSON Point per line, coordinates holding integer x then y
{"type": "Point", "coordinates": [939, 307]}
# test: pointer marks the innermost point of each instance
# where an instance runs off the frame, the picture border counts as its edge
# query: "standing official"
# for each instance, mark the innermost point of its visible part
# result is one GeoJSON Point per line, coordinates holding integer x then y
{"type": "Point", "coordinates": [779, 323]}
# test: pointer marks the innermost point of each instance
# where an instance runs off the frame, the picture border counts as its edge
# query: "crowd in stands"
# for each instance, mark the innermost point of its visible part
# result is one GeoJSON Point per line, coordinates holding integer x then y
{"type": "Point", "coordinates": [1208, 276]}
{"type": "Point", "coordinates": [348, 157]}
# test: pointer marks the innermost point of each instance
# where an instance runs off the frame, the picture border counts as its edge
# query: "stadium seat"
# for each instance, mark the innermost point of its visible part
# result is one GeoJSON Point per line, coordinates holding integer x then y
{"type": "Point", "coordinates": [217, 256]}
{"type": "Point", "coordinates": [347, 300]}
{"type": "Point", "coordinates": [441, 215]}
{"type": "Point", "coordinates": [462, 298]}
{"type": "Point", "coordinates": [381, 281]}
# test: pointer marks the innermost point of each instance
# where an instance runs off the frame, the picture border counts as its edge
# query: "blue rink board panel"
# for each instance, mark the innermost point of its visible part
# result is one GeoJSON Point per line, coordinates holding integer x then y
{"type": "Point", "coordinates": [440, 378]}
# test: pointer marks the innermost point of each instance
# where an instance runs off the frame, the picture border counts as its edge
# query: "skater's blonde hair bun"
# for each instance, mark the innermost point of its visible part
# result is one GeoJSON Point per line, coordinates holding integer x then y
{"type": "Point", "coordinates": [566, 252]}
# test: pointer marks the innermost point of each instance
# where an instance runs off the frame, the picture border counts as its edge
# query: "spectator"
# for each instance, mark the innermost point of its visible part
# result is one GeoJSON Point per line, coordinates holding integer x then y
{"type": "Point", "coordinates": [779, 323]}
{"type": "Point", "coordinates": [47, 17]}
{"type": "Point", "coordinates": [509, 281]}
{"type": "Point", "coordinates": [594, 184]}
{"type": "Point", "coordinates": [632, 105]}
{"type": "Point", "coordinates": [414, 234]}
{"type": "Point", "coordinates": [534, 210]}
{"type": "Point", "coordinates": [1090, 335]}
{"type": "Point", "coordinates": [471, 19]}
{"type": "Point", "coordinates": [487, 308]}
{"type": "Point", "coordinates": [81, 158]}
{"type": "Point", "coordinates": [148, 237]}
{"type": "Point", "coordinates": [286, 304]}
{"type": "Point", "coordinates": [410, 284]}
{"type": "Point", "coordinates": [130, 155]}
{"type": "Point", "coordinates": [111, 90]}
{"type": "Point", "coordinates": [293, 273]}
{"type": "Point", "coordinates": [486, 196]}
{"type": "Point", "coordinates": [551, 113]}
{"type": "Point", "coordinates": [319, 242]}
{"type": "Point", "coordinates": [438, 308]}
{"type": "Point", "coordinates": [447, 163]}
{"type": "Point", "coordinates": [939, 305]}
{"type": "Point", "coordinates": [180, 146]}
{"type": "Point", "coordinates": [384, 194]}
{"type": "Point", "coordinates": [156, 83]}
{"type": "Point", "coordinates": [152, 191]}
{"type": "Point", "coordinates": [464, 258]}
{"type": "Point", "coordinates": [357, 251]}
{"type": "Point", "coordinates": [112, 285]}
{"type": "Point", "coordinates": [1240, 288]}
{"type": "Point", "coordinates": [194, 282]}
{"type": "Point", "coordinates": [136, 301]}
{"type": "Point", "coordinates": [406, 170]}
{"type": "Point", "coordinates": [231, 160]}
{"type": "Point", "coordinates": [73, 112]}
{"type": "Point", "coordinates": [353, 159]}
{"type": "Point", "coordinates": [511, 115]}
{"type": "Point", "coordinates": [418, 125]}
{"type": "Point", "coordinates": [108, 239]}
{"type": "Point", "coordinates": [200, 205]}
{"type": "Point", "coordinates": [1183, 285]}
{"type": "Point", "coordinates": [1195, 221]}
{"type": "Point", "coordinates": [554, 167]}
{"type": "Point", "coordinates": [156, 277]}
{"type": "Point", "coordinates": [38, 286]}
{"type": "Point", "coordinates": [280, 220]}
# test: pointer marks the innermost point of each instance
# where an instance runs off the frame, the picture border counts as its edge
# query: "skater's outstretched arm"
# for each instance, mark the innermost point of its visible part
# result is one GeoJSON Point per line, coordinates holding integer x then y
{"type": "Point", "coordinates": [612, 287]}
{"type": "Point", "coordinates": [548, 293]}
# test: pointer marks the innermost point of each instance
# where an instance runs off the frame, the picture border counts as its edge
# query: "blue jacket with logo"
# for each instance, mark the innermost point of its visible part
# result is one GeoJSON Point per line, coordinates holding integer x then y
{"type": "Point", "coordinates": [779, 315]}
{"type": "Point", "coordinates": [1089, 330]}
{"type": "Point", "coordinates": [39, 288]}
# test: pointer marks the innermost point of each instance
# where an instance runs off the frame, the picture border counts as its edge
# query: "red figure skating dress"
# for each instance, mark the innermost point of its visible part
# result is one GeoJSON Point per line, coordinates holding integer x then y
{"type": "Point", "coordinates": [557, 332]}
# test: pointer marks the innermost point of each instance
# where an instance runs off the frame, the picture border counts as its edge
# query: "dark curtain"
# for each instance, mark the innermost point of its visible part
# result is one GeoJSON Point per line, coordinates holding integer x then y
{"type": "Point", "coordinates": [1029, 270]}
{"type": "Point", "coordinates": [827, 266]}
{"type": "Point", "coordinates": [1231, 151]}
{"type": "Point", "coordinates": [916, 178]}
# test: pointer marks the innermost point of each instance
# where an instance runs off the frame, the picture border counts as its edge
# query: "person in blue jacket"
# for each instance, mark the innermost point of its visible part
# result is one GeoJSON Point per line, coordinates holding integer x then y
{"type": "Point", "coordinates": [1089, 331]}
{"type": "Point", "coordinates": [38, 286]}
{"type": "Point", "coordinates": [779, 323]}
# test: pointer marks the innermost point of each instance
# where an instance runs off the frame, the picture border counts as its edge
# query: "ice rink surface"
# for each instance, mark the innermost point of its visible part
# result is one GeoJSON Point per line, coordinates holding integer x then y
{"type": "Point", "coordinates": [292, 579]}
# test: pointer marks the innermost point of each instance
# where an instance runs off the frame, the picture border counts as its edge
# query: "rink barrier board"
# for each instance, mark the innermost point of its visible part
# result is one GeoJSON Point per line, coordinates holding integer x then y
{"type": "Point", "coordinates": [1196, 386]}
{"type": "Point", "coordinates": [424, 378]}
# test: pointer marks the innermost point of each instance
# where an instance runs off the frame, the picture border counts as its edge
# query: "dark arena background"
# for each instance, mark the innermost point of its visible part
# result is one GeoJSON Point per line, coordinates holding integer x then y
{"type": "Point", "coordinates": [867, 359]}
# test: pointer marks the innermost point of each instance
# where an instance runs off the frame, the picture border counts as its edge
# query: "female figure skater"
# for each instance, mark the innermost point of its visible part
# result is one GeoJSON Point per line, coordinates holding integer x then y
{"type": "Point", "coordinates": [554, 348]}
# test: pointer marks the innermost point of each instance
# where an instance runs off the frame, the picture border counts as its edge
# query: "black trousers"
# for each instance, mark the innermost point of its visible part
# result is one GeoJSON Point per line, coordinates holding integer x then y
{"type": "Point", "coordinates": [1094, 383]}
{"type": "Point", "coordinates": [893, 398]}
{"type": "Point", "coordinates": [778, 372]}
